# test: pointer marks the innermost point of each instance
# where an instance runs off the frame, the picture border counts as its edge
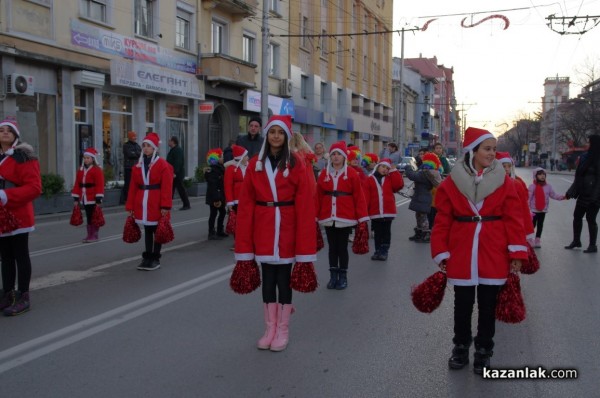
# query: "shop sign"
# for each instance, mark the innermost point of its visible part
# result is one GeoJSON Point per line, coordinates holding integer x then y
{"type": "Point", "coordinates": [206, 108]}
{"type": "Point", "coordinates": [277, 105]}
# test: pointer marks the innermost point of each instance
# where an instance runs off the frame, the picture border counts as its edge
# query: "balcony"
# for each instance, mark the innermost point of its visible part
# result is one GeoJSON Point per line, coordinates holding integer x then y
{"type": "Point", "coordinates": [238, 8]}
{"type": "Point", "coordinates": [221, 68]}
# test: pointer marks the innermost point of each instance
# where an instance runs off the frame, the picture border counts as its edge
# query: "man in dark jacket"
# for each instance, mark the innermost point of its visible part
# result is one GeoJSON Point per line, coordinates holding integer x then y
{"type": "Point", "coordinates": [253, 140]}
{"type": "Point", "coordinates": [131, 154]}
{"type": "Point", "coordinates": [175, 159]}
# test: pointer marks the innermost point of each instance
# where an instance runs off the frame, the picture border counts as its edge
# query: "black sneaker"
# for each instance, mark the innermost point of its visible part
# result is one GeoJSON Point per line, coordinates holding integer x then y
{"type": "Point", "coordinates": [151, 265]}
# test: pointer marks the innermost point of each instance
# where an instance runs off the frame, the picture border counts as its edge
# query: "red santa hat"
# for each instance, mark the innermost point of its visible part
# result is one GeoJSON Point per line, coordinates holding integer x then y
{"type": "Point", "coordinates": [338, 147]}
{"type": "Point", "coordinates": [504, 157]}
{"type": "Point", "coordinates": [473, 137]}
{"type": "Point", "coordinates": [383, 162]}
{"type": "Point", "coordinates": [238, 152]}
{"type": "Point", "coordinates": [91, 152]}
{"type": "Point", "coordinates": [11, 121]}
{"type": "Point", "coordinates": [283, 121]}
{"type": "Point", "coordinates": [153, 140]}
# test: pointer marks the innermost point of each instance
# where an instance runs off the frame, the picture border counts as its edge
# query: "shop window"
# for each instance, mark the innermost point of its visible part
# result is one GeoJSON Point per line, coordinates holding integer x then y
{"type": "Point", "coordinates": [98, 10]}
{"type": "Point", "coordinates": [116, 122]}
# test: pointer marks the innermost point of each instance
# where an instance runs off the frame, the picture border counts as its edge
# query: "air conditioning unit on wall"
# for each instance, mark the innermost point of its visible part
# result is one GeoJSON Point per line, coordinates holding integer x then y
{"type": "Point", "coordinates": [18, 84]}
{"type": "Point", "coordinates": [286, 87]}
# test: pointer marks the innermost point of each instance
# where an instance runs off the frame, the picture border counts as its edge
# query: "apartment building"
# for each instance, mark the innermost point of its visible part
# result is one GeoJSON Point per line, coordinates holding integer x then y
{"type": "Point", "coordinates": [341, 79]}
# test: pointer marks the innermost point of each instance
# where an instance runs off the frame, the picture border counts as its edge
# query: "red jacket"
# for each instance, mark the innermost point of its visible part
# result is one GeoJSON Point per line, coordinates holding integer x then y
{"type": "Point", "coordinates": [276, 234]}
{"type": "Point", "coordinates": [397, 180]}
{"type": "Point", "coordinates": [20, 173]}
{"type": "Point", "coordinates": [234, 179]}
{"type": "Point", "coordinates": [349, 209]}
{"type": "Point", "coordinates": [381, 202]}
{"type": "Point", "coordinates": [145, 203]}
{"type": "Point", "coordinates": [494, 243]}
{"type": "Point", "coordinates": [89, 185]}
{"type": "Point", "coordinates": [361, 173]}
{"type": "Point", "coordinates": [523, 193]}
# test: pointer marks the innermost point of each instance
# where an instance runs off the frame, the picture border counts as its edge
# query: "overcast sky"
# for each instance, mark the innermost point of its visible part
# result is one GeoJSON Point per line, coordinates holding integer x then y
{"type": "Point", "coordinates": [499, 73]}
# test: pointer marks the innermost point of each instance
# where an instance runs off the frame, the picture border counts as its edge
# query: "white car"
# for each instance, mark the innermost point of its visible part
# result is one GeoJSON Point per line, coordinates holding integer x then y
{"type": "Point", "coordinates": [405, 161]}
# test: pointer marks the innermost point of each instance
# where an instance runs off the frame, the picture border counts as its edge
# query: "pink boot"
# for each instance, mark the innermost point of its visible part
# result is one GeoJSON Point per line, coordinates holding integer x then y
{"type": "Point", "coordinates": [271, 321]}
{"type": "Point", "coordinates": [537, 243]}
{"type": "Point", "coordinates": [284, 312]}
{"type": "Point", "coordinates": [90, 234]}
{"type": "Point", "coordinates": [95, 230]}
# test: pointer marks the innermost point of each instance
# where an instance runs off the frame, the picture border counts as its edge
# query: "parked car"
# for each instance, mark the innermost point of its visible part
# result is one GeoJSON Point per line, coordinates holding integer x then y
{"type": "Point", "coordinates": [405, 161]}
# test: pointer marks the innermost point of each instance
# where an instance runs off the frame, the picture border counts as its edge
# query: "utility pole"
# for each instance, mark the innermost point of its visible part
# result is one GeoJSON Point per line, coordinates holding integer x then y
{"type": "Point", "coordinates": [555, 112]}
{"type": "Point", "coordinates": [402, 132]}
{"type": "Point", "coordinates": [264, 75]}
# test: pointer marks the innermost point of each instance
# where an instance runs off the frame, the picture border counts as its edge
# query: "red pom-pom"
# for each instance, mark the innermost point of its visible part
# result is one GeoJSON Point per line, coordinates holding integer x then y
{"type": "Point", "coordinates": [510, 307]}
{"type": "Point", "coordinates": [76, 216]}
{"type": "Point", "coordinates": [164, 231]}
{"type": "Point", "coordinates": [427, 296]}
{"type": "Point", "coordinates": [304, 277]}
{"type": "Point", "coordinates": [320, 242]}
{"type": "Point", "coordinates": [131, 231]}
{"type": "Point", "coordinates": [98, 217]}
{"type": "Point", "coordinates": [231, 220]}
{"type": "Point", "coordinates": [245, 277]}
{"type": "Point", "coordinates": [8, 221]}
{"type": "Point", "coordinates": [532, 265]}
{"type": "Point", "coordinates": [361, 239]}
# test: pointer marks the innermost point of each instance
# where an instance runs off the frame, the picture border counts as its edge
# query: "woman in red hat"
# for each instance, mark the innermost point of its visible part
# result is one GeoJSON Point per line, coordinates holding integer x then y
{"type": "Point", "coordinates": [88, 190]}
{"type": "Point", "coordinates": [20, 184]}
{"type": "Point", "coordinates": [150, 197]}
{"type": "Point", "coordinates": [340, 205]}
{"type": "Point", "coordinates": [478, 239]}
{"type": "Point", "coordinates": [235, 171]}
{"type": "Point", "coordinates": [276, 225]}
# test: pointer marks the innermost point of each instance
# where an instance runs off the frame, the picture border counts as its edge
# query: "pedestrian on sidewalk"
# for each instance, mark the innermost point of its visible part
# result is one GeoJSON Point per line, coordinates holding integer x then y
{"type": "Point", "coordinates": [586, 189]}
{"type": "Point", "coordinates": [381, 206]}
{"type": "Point", "coordinates": [478, 239]}
{"type": "Point", "coordinates": [19, 186]}
{"type": "Point", "coordinates": [176, 160]}
{"type": "Point", "coordinates": [252, 141]}
{"type": "Point", "coordinates": [131, 154]}
{"type": "Point", "coordinates": [426, 178]}
{"type": "Point", "coordinates": [88, 190]}
{"type": "Point", "coordinates": [340, 205]}
{"type": "Point", "coordinates": [540, 193]}
{"type": "Point", "coordinates": [214, 175]}
{"type": "Point", "coordinates": [276, 225]}
{"type": "Point", "coordinates": [150, 197]}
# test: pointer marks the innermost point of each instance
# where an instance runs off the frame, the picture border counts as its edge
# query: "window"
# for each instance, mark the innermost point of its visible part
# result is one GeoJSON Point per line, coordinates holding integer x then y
{"type": "Point", "coordinates": [340, 99]}
{"type": "Point", "coordinates": [323, 92]}
{"type": "Point", "coordinates": [304, 86]}
{"type": "Point", "coordinates": [274, 6]}
{"type": "Point", "coordinates": [365, 68]}
{"type": "Point", "coordinates": [145, 12]}
{"type": "Point", "coordinates": [273, 59]}
{"type": "Point", "coordinates": [304, 39]}
{"type": "Point", "coordinates": [340, 53]}
{"type": "Point", "coordinates": [183, 29]}
{"type": "Point", "coordinates": [353, 62]}
{"type": "Point", "coordinates": [219, 37]}
{"type": "Point", "coordinates": [324, 43]}
{"type": "Point", "coordinates": [95, 9]}
{"type": "Point", "coordinates": [248, 47]}
{"type": "Point", "coordinates": [80, 105]}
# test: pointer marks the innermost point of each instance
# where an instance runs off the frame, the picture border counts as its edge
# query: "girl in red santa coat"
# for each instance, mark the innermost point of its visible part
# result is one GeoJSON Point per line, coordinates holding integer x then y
{"type": "Point", "coordinates": [478, 239]}
{"type": "Point", "coordinates": [381, 205]}
{"type": "Point", "coordinates": [20, 184]}
{"type": "Point", "coordinates": [509, 167]}
{"type": "Point", "coordinates": [340, 205]}
{"type": "Point", "coordinates": [89, 190]}
{"type": "Point", "coordinates": [276, 225]}
{"type": "Point", "coordinates": [235, 171]}
{"type": "Point", "coordinates": [150, 197]}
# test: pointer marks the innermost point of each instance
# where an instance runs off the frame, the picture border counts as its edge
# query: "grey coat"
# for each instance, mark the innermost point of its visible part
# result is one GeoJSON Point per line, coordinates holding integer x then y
{"type": "Point", "coordinates": [422, 198]}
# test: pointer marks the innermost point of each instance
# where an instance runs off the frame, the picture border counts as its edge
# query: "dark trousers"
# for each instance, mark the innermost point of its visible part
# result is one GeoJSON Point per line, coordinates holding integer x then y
{"type": "Point", "coordinates": [382, 227]}
{"type": "Point", "coordinates": [178, 184]}
{"type": "Point", "coordinates": [89, 212]}
{"type": "Point", "coordinates": [125, 190]}
{"type": "Point", "coordinates": [590, 213]}
{"type": "Point", "coordinates": [213, 216]}
{"type": "Point", "coordinates": [337, 239]}
{"type": "Point", "coordinates": [14, 251]}
{"type": "Point", "coordinates": [538, 223]}
{"type": "Point", "coordinates": [464, 299]}
{"type": "Point", "coordinates": [151, 245]}
{"type": "Point", "coordinates": [431, 217]}
{"type": "Point", "coordinates": [276, 277]}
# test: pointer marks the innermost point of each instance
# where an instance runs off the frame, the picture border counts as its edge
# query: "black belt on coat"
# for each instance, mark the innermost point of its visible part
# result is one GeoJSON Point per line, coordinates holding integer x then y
{"type": "Point", "coordinates": [86, 185]}
{"type": "Point", "coordinates": [275, 204]}
{"type": "Point", "coordinates": [477, 218]}
{"type": "Point", "coordinates": [6, 184]}
{"type": "Point", "coordinates": [335, 194]}
{"type": "Point", "coordinates": [148, 187]}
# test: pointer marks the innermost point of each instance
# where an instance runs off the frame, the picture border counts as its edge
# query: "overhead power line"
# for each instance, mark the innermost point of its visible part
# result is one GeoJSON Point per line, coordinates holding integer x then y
{"type": "Point", "coordinates": [399, 31]}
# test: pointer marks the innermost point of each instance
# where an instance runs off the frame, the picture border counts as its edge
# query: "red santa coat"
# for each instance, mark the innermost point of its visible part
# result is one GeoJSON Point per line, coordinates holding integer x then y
{"type": "Point", "coordinates": [397, 179]}
{"type": "Point", "coordinates": [145, 203]}
{"type": "Point", "coordinates": [381, 202]}
{"type": "Point", "coordinates": [89, 185]}
{"type": "Point", "coordinates": [22, 184]}
{"type": "Point", "coordinates": [526, 217]}
{"type": "Point", "coordinates": [234, 179]}
{"type": "Point", "coordinates": [478, 252]}
{"type": "Point", "coordinates": [361, 174]}
{"type": "Point", "coordinates": [348, 209]}
{"type": "Point", "coordinates": [276, 234]}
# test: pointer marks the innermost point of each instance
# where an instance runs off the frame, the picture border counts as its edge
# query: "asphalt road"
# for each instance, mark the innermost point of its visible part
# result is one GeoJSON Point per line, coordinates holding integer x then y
{"type": "Point", "coordinates": [100, 328]}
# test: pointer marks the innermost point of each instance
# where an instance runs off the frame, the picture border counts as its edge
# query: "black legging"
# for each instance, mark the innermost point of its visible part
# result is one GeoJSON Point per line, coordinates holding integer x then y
{"type": "Point", "coordinates": [89, 212]}
{"type": "Point", "coordinates": [590, 213]}
{"type": "Point", "coordinates": [538, 223]}
{"type": "Point", "coordinates": [14, 251]}
{"type": "Point", "coordinates": [276, 277]}
{"type": "Point", "coordinates": [382, 227]}
{"type": "Point", "coordinates": [337, 239]}
{"type": "Point", "coordinates": [464, 298]}
{"type": "Point", "coordinates": [151, 245]}
{"type": "Point", "coordinates": [213, 215]}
